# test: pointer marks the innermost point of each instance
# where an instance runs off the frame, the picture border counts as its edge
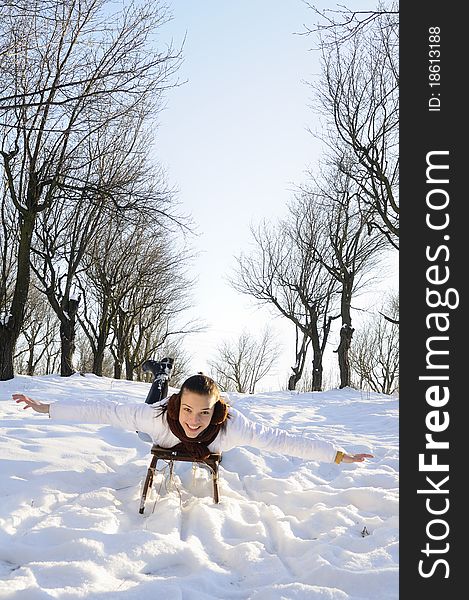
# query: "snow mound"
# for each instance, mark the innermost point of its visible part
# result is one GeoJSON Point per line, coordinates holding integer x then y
{"type": "Point", "coordinates": [285, 528]}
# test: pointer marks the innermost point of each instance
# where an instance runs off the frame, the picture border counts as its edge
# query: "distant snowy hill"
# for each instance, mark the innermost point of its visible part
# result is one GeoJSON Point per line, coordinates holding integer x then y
{"type": "Point", "coordinates": [285, 528]}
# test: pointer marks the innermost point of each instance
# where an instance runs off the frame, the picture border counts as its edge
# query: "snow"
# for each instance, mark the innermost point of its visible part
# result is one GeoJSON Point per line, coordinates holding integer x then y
{"type": "Point", "coordinates": [285, 528]}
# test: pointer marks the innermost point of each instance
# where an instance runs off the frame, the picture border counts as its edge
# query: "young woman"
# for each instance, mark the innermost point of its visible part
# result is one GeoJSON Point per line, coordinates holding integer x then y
{"type": "Point", "coordinates": [196, 419]}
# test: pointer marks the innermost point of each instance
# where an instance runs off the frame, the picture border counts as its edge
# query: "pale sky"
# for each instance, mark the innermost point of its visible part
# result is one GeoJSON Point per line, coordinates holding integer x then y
{"type": "Point", "coordinates": [234, 142]}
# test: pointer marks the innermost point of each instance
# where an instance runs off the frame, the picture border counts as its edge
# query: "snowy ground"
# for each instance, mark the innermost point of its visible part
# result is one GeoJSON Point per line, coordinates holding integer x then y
{"type": "Point", "coordinates": [285, 528]}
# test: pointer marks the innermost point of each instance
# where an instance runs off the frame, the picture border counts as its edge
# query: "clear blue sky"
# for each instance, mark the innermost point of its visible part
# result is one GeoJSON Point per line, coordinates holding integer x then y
{"type": "Point", "coordinates": [234, 142]}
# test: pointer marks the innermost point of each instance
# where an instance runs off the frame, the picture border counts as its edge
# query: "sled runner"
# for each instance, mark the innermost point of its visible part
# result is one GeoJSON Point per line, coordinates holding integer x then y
{"type": "Point", "coordinates": [170, 456]}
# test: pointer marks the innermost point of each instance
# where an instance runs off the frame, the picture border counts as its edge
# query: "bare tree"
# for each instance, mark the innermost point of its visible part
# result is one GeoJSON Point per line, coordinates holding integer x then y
{"type": "Point", "coordinates": [284, 273]}
{"type": "Point", "coordinates": [358, 94]}
{"type": "Point", "coordinates": [375, 352]}
{"type": "Point", "coordinates": [323, 250]}
{"type": "Point", "coordinates": [135, 291]}
{"type": "Point", "coordinates": [104, 281]}
{"type": "Point", "coordinates": [64, 232]}
{"type": "Point", "coordinates": [240, 365]}
{"type": "Point", "coordinates": [346, 249]}
{"type": "Point", "coordinates": [67, 70]}
{"type": "Point", "coordinates": [61, 236]}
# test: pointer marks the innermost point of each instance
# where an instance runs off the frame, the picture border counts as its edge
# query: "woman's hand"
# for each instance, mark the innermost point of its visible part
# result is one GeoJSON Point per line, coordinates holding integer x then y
{"type": "Point", "coordinates": [40, 407]}
{"type": "Point", "coordinates": [350, 458]}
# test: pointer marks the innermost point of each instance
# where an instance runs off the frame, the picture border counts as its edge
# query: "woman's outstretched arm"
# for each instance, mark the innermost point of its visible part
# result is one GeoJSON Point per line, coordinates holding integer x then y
{"type": "Point", "coordinates": [40, 407]}
{"type": "Point", "coordinates": [130, 416]}
{"type": "Point", "coordinates": [245, 432]}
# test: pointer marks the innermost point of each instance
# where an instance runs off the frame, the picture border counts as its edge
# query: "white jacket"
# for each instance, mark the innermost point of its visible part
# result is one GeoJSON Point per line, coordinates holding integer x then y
{"type": "Point", "coordinates": [239, 431]}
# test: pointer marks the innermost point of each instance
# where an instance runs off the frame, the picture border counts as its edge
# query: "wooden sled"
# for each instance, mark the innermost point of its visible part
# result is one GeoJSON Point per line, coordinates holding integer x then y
{"type": "Point", "coordinates": [170, 456]}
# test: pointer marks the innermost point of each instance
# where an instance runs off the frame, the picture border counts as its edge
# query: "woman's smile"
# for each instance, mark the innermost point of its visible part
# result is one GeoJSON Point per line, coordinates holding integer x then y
{"type": "Point", "coordinates": [193, 427]}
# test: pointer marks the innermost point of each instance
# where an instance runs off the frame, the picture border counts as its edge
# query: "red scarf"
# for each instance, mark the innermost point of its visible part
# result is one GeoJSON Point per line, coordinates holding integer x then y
{"type": "Point", "coordinates": [196, 447]}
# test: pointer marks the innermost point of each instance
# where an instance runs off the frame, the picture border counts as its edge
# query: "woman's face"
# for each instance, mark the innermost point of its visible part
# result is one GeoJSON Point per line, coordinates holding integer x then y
{"type": "Point", "coordinates": [195, 412]}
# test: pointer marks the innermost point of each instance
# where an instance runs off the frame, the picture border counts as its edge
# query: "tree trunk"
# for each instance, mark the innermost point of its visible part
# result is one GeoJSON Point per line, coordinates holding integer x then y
{"type": "Point", "coordinates": [316, 385]}
{"type": "Point", "coordinates": [98, 361]}
{"type": "Point", "coordinates": [117, 369]}
{"type": "Point", "coordinates": [31, 360]}
{"type": "Point", "coordinates": [98, 355]}
{"type": "Point", "coordinates": [10, 331]}
{"type": "Point", "coordinates": [129, 369]}
{"type": "Point", "coordinates": [299, 363]}
{"type": "Point", "coordinates": [118, 351]}
{"type": "Point", "coordinates": [67, 347]}
{"type": "Point", "coordinates": [294, 379]}
{"type": "Point", "coordinates": [317, 372]}
{"type": "Point", "coordinates": [101, 340]}
{"type": "Point", "coordinates": [7, 350]}
{"type": "Point", "coordinates": [346, 333]}
{"type": "Point", "coordinates": [67, 337]}
{"type": "Point", "coordinates": [119, 358]}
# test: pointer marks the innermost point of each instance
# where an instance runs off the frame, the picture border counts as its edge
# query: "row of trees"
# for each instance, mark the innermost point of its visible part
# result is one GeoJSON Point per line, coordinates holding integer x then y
{"type": "Point", "coordinates": [240, 363]}
{"type": "Point", "coordinates": [88, 220]}
{"type": "Point", "coordinates": [126, 302]}
{"type": "Point", "coordinates": [310, 266]}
